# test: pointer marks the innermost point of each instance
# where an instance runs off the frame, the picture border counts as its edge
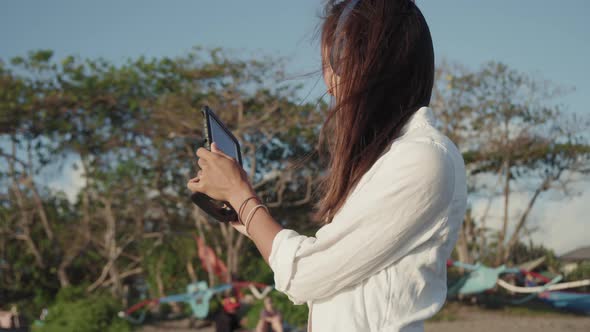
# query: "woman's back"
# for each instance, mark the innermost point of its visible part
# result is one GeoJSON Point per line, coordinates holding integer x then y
{"type": "Point", "coordinates": [381, 264]}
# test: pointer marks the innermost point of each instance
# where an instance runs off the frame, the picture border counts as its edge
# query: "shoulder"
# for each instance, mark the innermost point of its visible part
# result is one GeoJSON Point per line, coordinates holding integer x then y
{"type": "Point", "coordinates": [427, 148]}
{"type": "Point", "coordinates": [425, 155]}
{"type": "Point", "coordinates": [421, 159]}
{"type": "Point", "coordinates": [410, 165]}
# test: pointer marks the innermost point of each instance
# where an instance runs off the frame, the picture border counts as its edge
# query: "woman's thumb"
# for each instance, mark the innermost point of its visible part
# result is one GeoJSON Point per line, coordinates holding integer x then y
{"type": "Point", "coordinates": [214, 148]}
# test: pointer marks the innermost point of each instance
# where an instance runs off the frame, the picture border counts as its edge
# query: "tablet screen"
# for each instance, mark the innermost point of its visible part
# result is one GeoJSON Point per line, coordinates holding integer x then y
{"type": "Point", "coordinates": [222, 139]}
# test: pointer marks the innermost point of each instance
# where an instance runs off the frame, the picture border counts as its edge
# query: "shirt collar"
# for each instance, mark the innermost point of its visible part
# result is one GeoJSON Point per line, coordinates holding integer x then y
{"type": "Point", "coordinates": [423, 116]}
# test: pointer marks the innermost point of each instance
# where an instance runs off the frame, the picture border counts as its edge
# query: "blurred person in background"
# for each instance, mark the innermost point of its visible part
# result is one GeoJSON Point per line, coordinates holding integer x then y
{"type": "Point", "coordinates": [270, 318]}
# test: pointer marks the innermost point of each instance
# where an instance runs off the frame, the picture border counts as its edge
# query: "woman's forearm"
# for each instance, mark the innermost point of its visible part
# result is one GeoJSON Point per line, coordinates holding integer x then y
{"type": "Point", "coordinates": [262, 228]}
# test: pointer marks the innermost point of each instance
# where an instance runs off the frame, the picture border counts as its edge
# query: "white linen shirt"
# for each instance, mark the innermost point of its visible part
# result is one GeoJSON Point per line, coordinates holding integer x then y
{"type": "Point", "coordinates": [380, 265]}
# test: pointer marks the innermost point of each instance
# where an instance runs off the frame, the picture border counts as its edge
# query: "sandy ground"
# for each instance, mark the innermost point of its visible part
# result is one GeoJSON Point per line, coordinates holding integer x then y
{"type": "Point", "coordinates": [468, 320]}
{"type": "Point", "coordinates": [177, 326]}
{"type": "Point", "coordinates": [486, 321]}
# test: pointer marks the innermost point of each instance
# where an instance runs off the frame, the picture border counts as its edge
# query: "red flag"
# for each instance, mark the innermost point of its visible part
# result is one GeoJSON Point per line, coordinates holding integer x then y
{"type": "Point", "coordinates": [209, 260]}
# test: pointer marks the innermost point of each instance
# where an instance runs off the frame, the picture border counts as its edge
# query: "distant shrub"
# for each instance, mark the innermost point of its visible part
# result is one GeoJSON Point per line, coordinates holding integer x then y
{"type": "Point", "coordinates": [75, 311]}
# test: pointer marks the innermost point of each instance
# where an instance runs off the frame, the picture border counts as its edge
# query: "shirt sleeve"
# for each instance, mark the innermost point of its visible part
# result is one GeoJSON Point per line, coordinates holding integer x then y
{"type": "Point", "coordinates": [396, 210]}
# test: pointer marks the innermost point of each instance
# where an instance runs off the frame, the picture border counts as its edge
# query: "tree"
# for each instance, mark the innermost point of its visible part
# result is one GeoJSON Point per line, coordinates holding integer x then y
{"type": "Point", "coordinates": [506, 126]}
{"type": "Point", "coordinates": [133, 130]}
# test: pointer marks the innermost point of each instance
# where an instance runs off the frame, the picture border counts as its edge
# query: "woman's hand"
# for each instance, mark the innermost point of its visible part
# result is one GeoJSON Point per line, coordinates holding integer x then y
{"type": "Point", "coordinates": [220, 175]}
{"type": "Point", "coordinates": [222, 178]}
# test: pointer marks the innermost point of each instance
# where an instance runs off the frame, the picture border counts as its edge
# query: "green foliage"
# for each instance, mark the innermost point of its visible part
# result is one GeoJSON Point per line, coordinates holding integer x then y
{"type": "Point", "coordinates": [74, 311]}
{"type": "Point", "coordinates": [527, 252]}
{"type": "Point", "coordinates": [70, 294]}
{"type": "Point", "coordinates": [168, 262]}
{"type": "Point", "coordinates": [133, 129]}
{"type": "Point", "coordinates": [509, 125]}
{"type": "Point", "coordinates": [254, 267]}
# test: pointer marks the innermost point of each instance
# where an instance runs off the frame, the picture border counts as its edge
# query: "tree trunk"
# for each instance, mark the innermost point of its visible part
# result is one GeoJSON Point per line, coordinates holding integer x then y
{"type": "Point", "coordinates": [28, 182]}
{"type": "Point", "coordinates": [228, 235]}
{"type": "Point", "coordinates": [238, 249]}
{"type": "Point", "coordinates": [70, 255]}
{"type": "Point", "coordinates": [502, 234]}
{"type": "Point", "coordinates": [62, 275]}
{"type": "Point", "coordinates": [190, 269]}
{"type": "Point", "coordinates": [524, 217]}
{"type": "Point", "coordinates": [159, 282]}
{"type": "Point", "coordinates": [198, 220]}
{"type": "Point", "coordinates": [463, 240]}
{"type": "Point", "coordinates": [117, 286]}
{"type": "Point", "coordinates": [25, 221]}
{"type": "Point", "coordinates": [112, 252]}
{"type": "Point", "coordinates": [26, 236]}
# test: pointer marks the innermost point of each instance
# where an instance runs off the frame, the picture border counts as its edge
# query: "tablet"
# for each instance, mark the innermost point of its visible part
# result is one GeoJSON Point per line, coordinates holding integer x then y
{"type": "Point", "coordinates": [215, 131]}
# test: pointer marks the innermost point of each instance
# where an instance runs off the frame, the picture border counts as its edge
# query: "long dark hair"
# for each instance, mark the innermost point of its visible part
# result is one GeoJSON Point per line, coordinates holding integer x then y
{"type": "Point", "coordinates": [386, 73]}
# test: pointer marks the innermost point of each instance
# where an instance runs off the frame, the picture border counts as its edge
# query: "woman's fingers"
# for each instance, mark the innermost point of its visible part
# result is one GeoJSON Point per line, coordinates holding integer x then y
{"type": "Point", "coordinates": [217, 150]}
{"type": "Point", "coordinates": [203, 153]}
{"type": "Point", "coordinates": [202, 163]}
{"type": "Point", "coordinates": [195, 186]}
{"type": "Point", "coordinates": [220, 173]}
{"type": "Point", "coordinates": [213, 155]}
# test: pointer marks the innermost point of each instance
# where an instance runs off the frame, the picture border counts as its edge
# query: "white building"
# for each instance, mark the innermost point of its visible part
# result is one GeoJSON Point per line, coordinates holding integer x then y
{"type": "Point", "coordinates": [571, 260]}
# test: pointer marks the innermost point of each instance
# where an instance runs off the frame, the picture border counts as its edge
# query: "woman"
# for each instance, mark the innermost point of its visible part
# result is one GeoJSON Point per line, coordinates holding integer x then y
{"type": "Point", "coordinates": [395, 193]}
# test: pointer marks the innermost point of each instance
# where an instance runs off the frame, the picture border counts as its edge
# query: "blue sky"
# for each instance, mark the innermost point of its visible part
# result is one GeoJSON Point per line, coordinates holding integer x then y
{"type": "Point", "coordinates": [549, 39]}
